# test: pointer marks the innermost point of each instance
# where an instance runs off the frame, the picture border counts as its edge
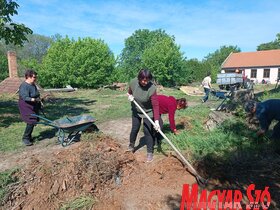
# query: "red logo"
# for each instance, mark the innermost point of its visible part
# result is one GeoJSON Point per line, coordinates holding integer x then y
{"type": "Point", "coordinates": [224, 199]}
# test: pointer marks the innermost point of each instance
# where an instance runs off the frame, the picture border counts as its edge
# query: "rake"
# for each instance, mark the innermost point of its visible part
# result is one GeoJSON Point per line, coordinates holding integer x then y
{"type": "Point", "coordinates": [201, 181]}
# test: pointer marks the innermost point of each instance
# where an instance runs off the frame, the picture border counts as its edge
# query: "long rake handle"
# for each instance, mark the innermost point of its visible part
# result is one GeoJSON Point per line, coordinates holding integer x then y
{"type": "Point", "coordinates": [169, 142]}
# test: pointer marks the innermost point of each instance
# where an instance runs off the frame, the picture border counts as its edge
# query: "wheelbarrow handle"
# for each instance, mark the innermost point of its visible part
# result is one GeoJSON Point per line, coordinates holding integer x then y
{"type": "Point", "coordinates": [51, 123]}
{"type": "Point", "coordinates": [169, 142]}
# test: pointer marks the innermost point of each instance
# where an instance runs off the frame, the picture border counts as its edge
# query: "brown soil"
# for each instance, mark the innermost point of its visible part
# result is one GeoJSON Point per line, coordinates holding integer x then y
{"type": "Point", "coordinates": [51, 175]}
{"type": "Point", "coordinates": [100, 168]}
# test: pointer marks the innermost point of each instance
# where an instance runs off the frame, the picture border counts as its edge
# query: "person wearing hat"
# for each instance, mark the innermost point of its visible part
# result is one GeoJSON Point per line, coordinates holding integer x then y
{"type": "Point", "coordinates": [266, 112]}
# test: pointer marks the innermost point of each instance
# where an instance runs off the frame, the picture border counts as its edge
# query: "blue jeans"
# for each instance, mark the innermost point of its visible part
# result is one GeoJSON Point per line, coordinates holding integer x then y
{"type": "Point", "coordinates": [207, 91]}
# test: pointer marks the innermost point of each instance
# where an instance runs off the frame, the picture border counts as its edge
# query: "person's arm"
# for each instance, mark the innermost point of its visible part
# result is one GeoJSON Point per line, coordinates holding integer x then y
{"type": "Point", "coordinates": [171, 116]}
{"type": "Point", "coordinates": [24, 93]}
{"type": "Point", "coordinates": [155, 104]}
{"type": "Point", "coordinates": [264, 122]}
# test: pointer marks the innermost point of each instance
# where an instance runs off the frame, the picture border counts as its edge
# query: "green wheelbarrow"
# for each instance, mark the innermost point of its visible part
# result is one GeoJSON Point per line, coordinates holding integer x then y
{"type": "Point", "coordinates": [72, 126]}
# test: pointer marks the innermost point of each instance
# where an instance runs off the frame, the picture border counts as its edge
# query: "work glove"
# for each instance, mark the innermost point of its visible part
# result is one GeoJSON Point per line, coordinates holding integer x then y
{"type": "Point", "coordinates": [157, 126]}
{"type": "Point", "coordinates": [130, 98]}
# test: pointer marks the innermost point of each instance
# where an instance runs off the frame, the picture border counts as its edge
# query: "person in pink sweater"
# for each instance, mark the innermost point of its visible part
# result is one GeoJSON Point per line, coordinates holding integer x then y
{"type": "Point", "coordinates": [169, 105]}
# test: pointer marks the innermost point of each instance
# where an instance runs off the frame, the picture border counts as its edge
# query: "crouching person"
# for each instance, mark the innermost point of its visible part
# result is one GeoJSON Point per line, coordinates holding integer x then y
{"type": "Point", "coordinates": [266, 112]}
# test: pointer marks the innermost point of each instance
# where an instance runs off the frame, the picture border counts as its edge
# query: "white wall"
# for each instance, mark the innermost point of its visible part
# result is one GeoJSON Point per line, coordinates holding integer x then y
{"type": "Point", "coordinates": [272, 78]}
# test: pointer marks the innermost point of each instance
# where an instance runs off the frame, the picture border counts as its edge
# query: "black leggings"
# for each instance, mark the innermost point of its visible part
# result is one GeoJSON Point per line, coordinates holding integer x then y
{"type": "Point", "coordinates": [28, 132]}
{"type": "Point", "coordinates": [148, 132]}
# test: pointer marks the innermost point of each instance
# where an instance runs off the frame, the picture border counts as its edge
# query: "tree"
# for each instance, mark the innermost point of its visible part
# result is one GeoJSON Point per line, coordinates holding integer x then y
{"type": "Point", "coordinates": [85, 63]}
{"type": "Point", "coordinates": [31, 53]}
{"type": "Point", "coordinates": [155, 50]}
{"type": "Point", "coordinates": [270, 45]}
{"type": "Point", "coordinates": [3, 66]}
{"type": "Point", "coordinates": [35, 47]}
{"type": "Point", "coordinates": [9, 31]}
{"type": "Point", "coordinates": [165, 60]}
{"type": "Point", "coordinates": [196, 70]}
{"type": "Point", "coordinates": [216, 59]}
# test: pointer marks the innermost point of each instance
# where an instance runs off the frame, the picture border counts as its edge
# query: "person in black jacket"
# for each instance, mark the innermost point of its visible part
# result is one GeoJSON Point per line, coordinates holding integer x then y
{"type": "Point", "coordinates": [266, 112]}
{"type": "Point", "coordinates": [29, 103]}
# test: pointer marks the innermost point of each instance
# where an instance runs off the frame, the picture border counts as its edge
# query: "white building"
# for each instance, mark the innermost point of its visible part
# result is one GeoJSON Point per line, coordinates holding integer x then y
{"type": "Point", "coordinates": [257, 66]}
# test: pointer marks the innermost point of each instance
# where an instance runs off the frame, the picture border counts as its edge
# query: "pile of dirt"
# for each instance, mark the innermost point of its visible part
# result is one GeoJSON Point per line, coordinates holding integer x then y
{"type": "Point", "coordinates": [89, 170]}
{"type": "Point", "coordinates": [157, 185]}
{"type": "Point", "coordinates": [103, 171]}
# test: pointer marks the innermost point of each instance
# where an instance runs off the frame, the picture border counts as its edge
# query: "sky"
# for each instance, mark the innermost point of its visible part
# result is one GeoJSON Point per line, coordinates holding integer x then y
{"type": "Point", "coordinates": [199, 27]}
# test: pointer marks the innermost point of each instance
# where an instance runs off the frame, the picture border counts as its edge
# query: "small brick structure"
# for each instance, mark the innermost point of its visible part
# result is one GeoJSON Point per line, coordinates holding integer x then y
{"type": "Point", "coordinates": [12, 83]}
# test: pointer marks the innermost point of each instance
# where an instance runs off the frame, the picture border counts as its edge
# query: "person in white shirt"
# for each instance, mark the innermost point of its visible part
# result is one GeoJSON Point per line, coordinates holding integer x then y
{"type": "Point", "coordinates": [206, 83]}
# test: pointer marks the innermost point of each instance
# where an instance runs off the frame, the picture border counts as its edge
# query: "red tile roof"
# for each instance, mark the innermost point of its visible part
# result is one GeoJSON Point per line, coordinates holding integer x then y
{"type": "Point", "coordinates": [10, 85]}
{"type": "Point", "coordinates": [253, 59]}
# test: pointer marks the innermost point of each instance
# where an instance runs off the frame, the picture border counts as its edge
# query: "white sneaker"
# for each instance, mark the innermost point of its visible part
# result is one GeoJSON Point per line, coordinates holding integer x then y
{"type": "Point", "coordinates": [150, 157]}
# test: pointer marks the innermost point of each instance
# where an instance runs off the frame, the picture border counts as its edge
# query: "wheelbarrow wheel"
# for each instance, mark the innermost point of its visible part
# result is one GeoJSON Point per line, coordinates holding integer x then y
{"type": "Point", "coordinates": [66, 142]}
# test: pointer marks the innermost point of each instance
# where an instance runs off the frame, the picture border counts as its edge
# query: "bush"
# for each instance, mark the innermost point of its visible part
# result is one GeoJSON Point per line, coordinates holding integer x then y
{"type": "Point", "coordinates": [86, 63]}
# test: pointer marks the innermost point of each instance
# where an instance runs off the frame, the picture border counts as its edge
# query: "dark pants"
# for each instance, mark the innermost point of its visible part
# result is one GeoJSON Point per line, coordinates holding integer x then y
{"type": "Point", "coordinates": [27, 133]}
{"type": "Point", "coordinates": [207, 91]}
{"type": "Point", "coordinates": [148, 132]}
{"type": "Point", "coordinates": [158, 136]}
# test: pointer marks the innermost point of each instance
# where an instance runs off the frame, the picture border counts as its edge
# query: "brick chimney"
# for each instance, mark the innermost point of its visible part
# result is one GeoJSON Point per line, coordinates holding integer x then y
{"type": "Point", "coordinates": [12, 63]}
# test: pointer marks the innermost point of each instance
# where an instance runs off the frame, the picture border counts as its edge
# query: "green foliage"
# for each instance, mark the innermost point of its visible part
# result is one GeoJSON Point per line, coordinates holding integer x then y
{"type": "Point", "coordinates": [6, 178]}
{"type": "Point", "coordinates": [196, 70]}
{"type": "Point", "coordinates": [270, 45]}
{"type": "Point", "coordinates": [215, 60]}
{"type": "Point", "coordinates": [35, 47]}
{"type": "Point", "coordinates": [164, 59]}
{"type": "Point", "coordinates": [30, 54]}
{"type": "Point", "coordinates": [3, 66]}
{"type": "Point", "coordinates": [31, 63]}
{"type": "Point", "coordinates": [154, 50]}
{"type": "Point", "coordinates": [81, 203]}
{"type": "Point", "coordinates": [10, 31]}
{"type": "Point", "coordinates": [85, 63]}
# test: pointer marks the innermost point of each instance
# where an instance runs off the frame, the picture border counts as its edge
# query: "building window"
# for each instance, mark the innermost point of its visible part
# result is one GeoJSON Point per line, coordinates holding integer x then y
{"type": "Point", "coordinates": [278, 77]}
{"type": "Point", "coordinates": [266, 73]}
{"type": "Point", "coordinates": [253, 73]}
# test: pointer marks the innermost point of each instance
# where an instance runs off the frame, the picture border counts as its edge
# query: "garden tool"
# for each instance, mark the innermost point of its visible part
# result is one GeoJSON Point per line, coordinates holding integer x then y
{"type": "Point", "coordinates": [201, 181]}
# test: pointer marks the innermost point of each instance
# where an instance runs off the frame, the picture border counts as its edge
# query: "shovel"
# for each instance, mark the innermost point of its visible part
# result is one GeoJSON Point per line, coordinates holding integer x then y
{"type": "Point", "coordinates": [201, 181]}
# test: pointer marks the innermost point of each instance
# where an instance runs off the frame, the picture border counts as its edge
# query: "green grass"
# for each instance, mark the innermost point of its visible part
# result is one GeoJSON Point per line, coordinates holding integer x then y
{"type": "Point", "coordinates": [81, 203]}
{"type": "Point", "coordinates": [103, 104]}
{"type": "Point", "coordinates": [6, 178]}
{"type": "Point", "coordinates": [106, 104]}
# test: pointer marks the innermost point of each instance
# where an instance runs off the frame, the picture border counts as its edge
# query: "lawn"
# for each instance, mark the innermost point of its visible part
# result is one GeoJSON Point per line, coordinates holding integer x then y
{"type": "Point", "coordinates": [106, 105]}
{"type": "Point", "coordinates": [228, 148]}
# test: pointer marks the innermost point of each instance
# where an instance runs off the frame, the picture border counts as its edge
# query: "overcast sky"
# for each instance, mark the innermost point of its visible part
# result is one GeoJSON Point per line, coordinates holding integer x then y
{"type": "Point", "coordinates": [199, 27]}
